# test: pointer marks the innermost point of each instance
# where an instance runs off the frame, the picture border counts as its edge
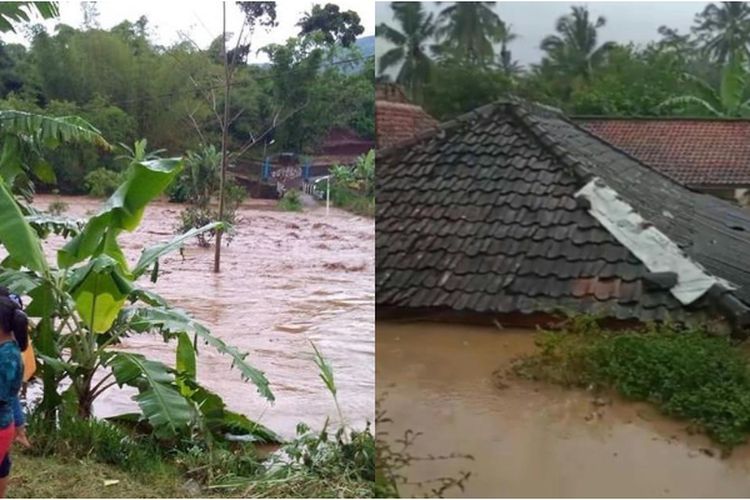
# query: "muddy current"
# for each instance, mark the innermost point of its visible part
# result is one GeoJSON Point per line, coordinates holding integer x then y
{"type": "Point", "coordinates": [286, 279]}
{"type": "Point", "coordinates": [528, 438]}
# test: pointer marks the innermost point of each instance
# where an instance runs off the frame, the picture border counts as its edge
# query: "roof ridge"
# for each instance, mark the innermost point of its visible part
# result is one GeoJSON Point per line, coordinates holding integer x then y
{"type": "Point", "coordinates": [725, 119]}
{"type": "Point", "coordinates": [563, 154]}
{"type": "Point", "coordinates": [581, 169]}
{"type": "Point", "coordinates": [443, 127]}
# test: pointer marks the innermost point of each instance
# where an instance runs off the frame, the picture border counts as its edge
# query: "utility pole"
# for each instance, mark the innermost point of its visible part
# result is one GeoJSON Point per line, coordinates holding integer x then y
{"type": "Point", "coordinates": [224, 133]}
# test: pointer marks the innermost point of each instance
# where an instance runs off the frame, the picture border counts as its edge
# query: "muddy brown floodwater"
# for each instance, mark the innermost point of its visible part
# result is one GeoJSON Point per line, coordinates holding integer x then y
{"type": "Point", "coordinates": [532, 439]}
{"type": "Point", "coordinates": [286, 279]}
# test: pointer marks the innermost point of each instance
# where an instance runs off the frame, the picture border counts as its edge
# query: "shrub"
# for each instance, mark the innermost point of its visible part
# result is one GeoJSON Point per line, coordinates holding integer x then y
{"type": "Point", "coordinates": [57, 207]}
{"type": "Point", "coordinates": [90, 438]}
{"type": "Point", "coordinates": [686, 373]}
{"type": "Point", "coordinates": [291, 201]}
{"type": "Point", "coordinates": [102, 182]}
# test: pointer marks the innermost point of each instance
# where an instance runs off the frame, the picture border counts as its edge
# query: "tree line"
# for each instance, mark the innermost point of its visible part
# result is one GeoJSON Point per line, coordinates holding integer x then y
{"type": "Point", "coordinates": [130, 87]}
{"type": "Point", "coordinates": [460, 57]}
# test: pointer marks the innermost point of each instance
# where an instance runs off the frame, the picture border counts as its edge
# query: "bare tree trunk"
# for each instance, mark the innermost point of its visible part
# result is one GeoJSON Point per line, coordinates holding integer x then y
{"type": "Point", "coordinates": [224, 133]}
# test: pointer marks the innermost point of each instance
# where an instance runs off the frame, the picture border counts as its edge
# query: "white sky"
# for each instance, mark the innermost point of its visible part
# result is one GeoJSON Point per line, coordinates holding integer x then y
{"type": "Point", "coordinates": [201, 20]}
{"type": "Point", "coordinates": [532, 21]}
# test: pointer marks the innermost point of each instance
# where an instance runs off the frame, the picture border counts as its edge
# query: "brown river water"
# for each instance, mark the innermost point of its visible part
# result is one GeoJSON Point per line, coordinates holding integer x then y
{"type": "Point", "coordinates": [286, 279]}
{"type": "Point", "coordinates": [533, 439]}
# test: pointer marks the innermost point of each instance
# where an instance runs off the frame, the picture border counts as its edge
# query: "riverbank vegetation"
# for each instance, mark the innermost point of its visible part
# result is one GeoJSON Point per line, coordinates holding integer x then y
{"type": "Point", "coordinates": [89, 296]}
{"type": "Point", "coordinates": [353, 188]}
{"type": "Point", "coordinates": [686, 373]}
{"type": "Point", "coordinates": [95, 458]}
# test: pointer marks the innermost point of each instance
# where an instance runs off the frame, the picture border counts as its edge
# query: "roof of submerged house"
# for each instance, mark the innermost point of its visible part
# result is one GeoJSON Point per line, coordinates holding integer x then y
{"type": "Point", "coordinates": [397, 119]}
{"type": "Point", "coordinates": [697, 152]}
{"type": "Point", "coordinates": [515, 208]}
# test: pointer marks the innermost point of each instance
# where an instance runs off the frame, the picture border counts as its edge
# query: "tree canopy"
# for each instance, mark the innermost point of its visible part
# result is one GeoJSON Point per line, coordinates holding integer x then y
{"type": "Point", "coordinates": [130, 87]}
{"type": "Point", "coordinates": [453, 57]}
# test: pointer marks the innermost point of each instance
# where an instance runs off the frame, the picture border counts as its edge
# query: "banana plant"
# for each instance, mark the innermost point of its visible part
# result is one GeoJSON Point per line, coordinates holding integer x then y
{"type": "Point", "coordinates": [730, 100]}
{"type": "Point", "coordinates": [24, 137]}
{"type": "Point", "coordinates": [89, 299]}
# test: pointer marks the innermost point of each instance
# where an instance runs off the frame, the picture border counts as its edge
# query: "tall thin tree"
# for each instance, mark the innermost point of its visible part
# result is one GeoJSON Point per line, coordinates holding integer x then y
{"type": "Point", "coordinates": [410, 51]}
{"type": "Point", "coordinates": [470, 30]}
{"type": "Point", "coordinates": [724, 29]}
{"type": "Point", "coordinates": [574, 51]}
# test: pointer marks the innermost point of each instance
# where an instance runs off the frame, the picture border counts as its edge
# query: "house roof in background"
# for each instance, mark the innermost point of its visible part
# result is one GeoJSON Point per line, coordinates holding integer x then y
{"type": "Point", "coordinates": [396, 119]}
{"type": "Point", "coordinates": [696, 152]}
{"type": "Point", "coordinates": [485, 217]}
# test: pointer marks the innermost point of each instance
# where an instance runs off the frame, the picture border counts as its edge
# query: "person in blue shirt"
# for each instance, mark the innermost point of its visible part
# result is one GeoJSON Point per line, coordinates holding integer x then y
{"type": "Point", "coordinates": [14, 324]}
{"type": "Point", "coordinates": [19, 418]}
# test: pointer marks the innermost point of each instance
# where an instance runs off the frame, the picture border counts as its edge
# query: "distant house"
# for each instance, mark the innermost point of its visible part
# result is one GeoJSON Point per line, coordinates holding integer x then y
{"type": "Point", "coordinates": [341, 146]}
{"type": "Point", "coordinates": [515, 213]}
{"type": "Point", "coordinates": [705, 154]}
{"type": "Point", "coordinates": [397, 119]}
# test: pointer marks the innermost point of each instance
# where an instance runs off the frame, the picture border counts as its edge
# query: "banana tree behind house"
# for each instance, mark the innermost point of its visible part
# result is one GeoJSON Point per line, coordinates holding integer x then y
{"type": "Point", "coordinates": [730, 100]}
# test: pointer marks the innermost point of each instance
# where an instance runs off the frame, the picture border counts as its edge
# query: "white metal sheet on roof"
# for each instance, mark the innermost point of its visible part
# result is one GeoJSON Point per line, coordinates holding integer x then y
{"type": "Point", "coordinates": [652, 247]}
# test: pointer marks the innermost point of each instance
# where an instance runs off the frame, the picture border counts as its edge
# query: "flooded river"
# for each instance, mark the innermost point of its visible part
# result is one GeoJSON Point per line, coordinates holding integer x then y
{"type": "Point", "coordinates": [531, 439]}
{"type": "Point", "coordinates": [286, 279]}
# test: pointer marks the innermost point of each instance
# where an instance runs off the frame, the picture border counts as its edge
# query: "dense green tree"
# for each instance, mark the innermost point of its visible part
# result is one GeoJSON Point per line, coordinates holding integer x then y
{"type": "Point", "coordinates": [457, 87]}
{"type": "Point", "coordinates": [410, 52]}
{"type": "Point", "coordinates": [335, 25]}
{"type": "Point", "coordinates": [634, 82]}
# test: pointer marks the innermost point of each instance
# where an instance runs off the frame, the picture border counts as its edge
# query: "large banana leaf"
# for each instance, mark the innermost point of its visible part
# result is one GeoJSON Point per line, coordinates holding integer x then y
{"type": "Point", "coordinates": [100, 291]}
{"type": "Point", "coordinates": [174, 322]}
{"type": "Point", "coordinates": [20, 282]}
{"type": "Point", "coordinates": [185, 362]}
{"type": "Point", "coordinates": [50, 131]}
{"type": "Point", "coordinates": [44, 225]}
{"type": "Point", "coordinates": [17, 236]}
{"type": "Point", "coordinates": [159, 398]}
{"type": "Point", "coordinates": [152, 254]}
{"type": "Point", "coordinates": [219, 419]}
{"type": "Point", "coordinates": [123, 211]}
{"type": "Point", "coordinates": [11, 12]}
{"type": "Point", "coordinates": [733, 83]}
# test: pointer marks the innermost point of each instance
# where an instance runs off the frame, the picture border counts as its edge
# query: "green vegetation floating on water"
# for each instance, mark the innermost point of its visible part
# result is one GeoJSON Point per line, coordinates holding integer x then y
{"type": "Point", "coordinates": [686, 373]}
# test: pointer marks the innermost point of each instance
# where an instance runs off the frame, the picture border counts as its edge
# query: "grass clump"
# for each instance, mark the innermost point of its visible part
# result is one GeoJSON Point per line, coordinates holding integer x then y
{"type": "Point", "coordinates": [291, 201]}
{"type": "Point", "coordinates": [685, 373]}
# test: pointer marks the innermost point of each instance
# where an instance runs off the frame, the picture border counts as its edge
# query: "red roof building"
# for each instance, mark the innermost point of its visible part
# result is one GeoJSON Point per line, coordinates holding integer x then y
{"type": "Point", "coordinates": [396, 119]}
{"type": "Point", "coordinates": [710, 155]}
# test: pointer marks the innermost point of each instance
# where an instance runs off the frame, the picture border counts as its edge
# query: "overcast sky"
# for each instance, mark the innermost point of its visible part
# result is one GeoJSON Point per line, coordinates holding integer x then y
{"type": "Point", "coordinates": [201, 20]}
{"type": "Point", "coordinates": [532, 21]}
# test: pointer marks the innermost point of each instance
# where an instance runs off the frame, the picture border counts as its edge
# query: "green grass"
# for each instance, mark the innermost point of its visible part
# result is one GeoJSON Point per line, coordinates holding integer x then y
{"type": "Point", "coordinates": [74, 458]}
{"type": "Point", "coordinates": [685, 373]}
{"type": "Point", "coordinates": [353, 202]}
{"type": "Point", "coordinates": [60, 477]}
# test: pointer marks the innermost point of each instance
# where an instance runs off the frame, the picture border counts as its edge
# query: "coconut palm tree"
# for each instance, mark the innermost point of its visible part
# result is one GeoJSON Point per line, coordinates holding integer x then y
{"type": "Point", "coordinates": [574, 50]}
{"type": "Point", "coordinates": [730, 99]}
{"type": "Point", "coordinates": [469, 30]}
{"type": "Point", "coordinates": [416, 29]}
{"type": "Point", "coordinates": [724, 29]}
